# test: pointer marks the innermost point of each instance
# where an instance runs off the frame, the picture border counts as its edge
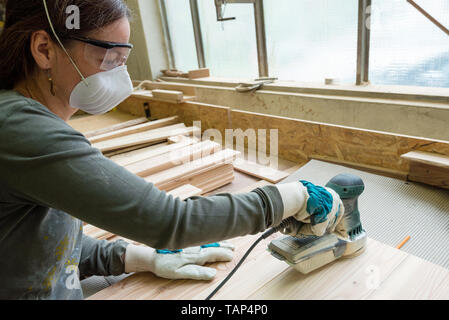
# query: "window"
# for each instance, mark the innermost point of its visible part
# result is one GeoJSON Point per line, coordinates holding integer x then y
{"type": "Point", "coordinates": [229, 46]}
{"type": "Point", "coordinates": [310, 40]}
{"type": "Point", "coordinates": [181, 33]}
{"type": "Point", "coordinates": [406, 47]}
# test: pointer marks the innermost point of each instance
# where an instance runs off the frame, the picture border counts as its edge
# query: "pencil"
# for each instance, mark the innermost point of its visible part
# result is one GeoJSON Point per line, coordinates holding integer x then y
{"type": "Point", "coordinates": [403, 242]}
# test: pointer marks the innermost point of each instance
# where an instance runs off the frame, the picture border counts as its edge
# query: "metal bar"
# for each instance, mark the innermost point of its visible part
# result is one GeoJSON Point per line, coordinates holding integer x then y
{"type": "Point", "coordinates": [428, 16]}
{"type": "Point", "coordinates": [363, 42]}
{"type": "Point", "coordinates": [167, 37]}
{"type": "Point", "coordinates": [197, 33]}
{"type": "Point", "coordinates": [262, 56]}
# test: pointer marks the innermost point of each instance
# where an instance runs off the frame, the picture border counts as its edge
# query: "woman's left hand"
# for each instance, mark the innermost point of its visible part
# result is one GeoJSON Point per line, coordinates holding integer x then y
{"type": "Point", "coordinates": [178, 264]}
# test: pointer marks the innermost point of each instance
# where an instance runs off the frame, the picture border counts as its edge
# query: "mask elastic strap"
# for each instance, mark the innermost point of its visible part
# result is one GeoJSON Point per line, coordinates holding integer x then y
{"type": "Point", "coordinates": [60, 43]}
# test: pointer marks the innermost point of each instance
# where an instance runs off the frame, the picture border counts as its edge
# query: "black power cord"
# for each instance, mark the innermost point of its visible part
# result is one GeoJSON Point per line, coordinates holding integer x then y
{"type": "Point", "coordinates": [283, 225]}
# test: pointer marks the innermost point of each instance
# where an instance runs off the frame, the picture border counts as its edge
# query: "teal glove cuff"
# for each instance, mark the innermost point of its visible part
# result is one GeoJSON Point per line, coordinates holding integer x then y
{"type": "Point", "coordinates": [319, 203]}
{"type": "Point", "coordinates": [165, 251]}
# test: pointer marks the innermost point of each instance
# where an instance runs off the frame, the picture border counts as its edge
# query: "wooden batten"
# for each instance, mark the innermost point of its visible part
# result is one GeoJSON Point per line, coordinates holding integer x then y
{"type": "Point", "coordinates": [199, 73]}
{"type": "Point", "coordinates": [115, 127]}
{"type": "Point", "coordinates": [428, 174]}
{"type": "Point", "coordinates": [151, 136]}
{"type": "Point", "coordinates": [429, 168]}
{"type": "Point", "coordinates": [433, 159]}
{"type": "Point", "coordinates": [260, 171]}
{"type": "Point", "coordinates": [172, 159]}
{"type": "Point", "coordinates": [207, 180]}
{"type": "Point", "coordinates": [108, 121]}
{"type": "Point", "coordinates": [178, 173]}
{"type": "Point", "coordinates": [149, 152]}
{"type": "Point", "coordinates": [135, 129]}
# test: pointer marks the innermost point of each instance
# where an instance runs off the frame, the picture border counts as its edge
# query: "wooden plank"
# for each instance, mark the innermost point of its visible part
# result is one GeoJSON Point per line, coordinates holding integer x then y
{"type": "Point", "coordinates": [151, 136]}
{"type": "Point", "coordinates": [88, 123]}
{"type": "Point", "coordinates": [128, 157]}
{"type": "Point", "coordinates": [149, 152]}
{"type": "Point", "coordinates": [185, 191]}
{"type": "Point", "coordinates": [206, 179]}
{"type": "Point", "coordinates": [199, 73]}
{"type": "Point", "coordinates": [224, 156]}
{"type": "Point", "coordinates": [117, 126]}
{"type": "Point", "coordinates": [218, 184]}
{"type": "Point", "coordinates": [429, 174]}
{"type": "Point", "coordinates": [192, 176]}
{"type": "Point", "coordinates": [429, 158]}
{"type": "Point", "coordinates": [148, 95]}
{"type": "Point", "coordinates": [342, 279]}
{"type": "Point", "coordinates": [170, 95]}
{"type": "Point", "coordinates": [176, 139]}
{"type": "Point", "coordinates": [260, 171]}
{"type": "Point", "coordinates": [134, 148]}
{"type": "Point", "coordinates": [135, 129]}
{"type": "Point", "coordinates": [415, 279]}
{"type": "Point", "coordinates": [214, 179]}
{"type": "Point", "coordinates": [171, 159]}
{"type": "Point", "coordinates": [188, 89]}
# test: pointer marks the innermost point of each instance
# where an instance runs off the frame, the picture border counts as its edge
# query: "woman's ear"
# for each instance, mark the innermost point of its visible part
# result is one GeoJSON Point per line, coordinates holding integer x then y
{"type": "Point", "coordinates": [43, 49]}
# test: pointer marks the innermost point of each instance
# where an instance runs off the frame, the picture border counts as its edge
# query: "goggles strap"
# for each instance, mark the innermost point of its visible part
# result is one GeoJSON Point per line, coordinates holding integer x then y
{"type": "Point", "coordinates": [60, 43]}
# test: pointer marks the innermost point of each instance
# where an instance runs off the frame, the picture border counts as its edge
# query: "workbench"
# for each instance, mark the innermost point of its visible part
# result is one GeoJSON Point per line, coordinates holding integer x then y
{"type": "Point", "coordinates": [381, 272]}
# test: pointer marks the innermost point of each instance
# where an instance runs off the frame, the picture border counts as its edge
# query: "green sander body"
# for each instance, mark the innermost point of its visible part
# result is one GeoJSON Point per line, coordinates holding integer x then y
{"type": "Point", "coordinates": [308, 253]}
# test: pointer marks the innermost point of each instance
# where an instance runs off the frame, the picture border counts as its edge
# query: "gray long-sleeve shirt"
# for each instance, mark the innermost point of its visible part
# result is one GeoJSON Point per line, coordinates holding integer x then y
{"type": "Point", "coordinates": [51, 178]}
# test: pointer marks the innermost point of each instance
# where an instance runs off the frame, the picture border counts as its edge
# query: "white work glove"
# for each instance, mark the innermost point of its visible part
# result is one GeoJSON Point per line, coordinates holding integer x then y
{"type": "Point", "coordinates": [319, 209]}
{"type": "Point", "coordinates": [178, 264]}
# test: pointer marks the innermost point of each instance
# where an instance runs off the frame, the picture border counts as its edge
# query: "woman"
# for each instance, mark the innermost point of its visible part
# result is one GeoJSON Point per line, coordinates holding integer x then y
{"type": "Point", "coordinates": [51, 178]}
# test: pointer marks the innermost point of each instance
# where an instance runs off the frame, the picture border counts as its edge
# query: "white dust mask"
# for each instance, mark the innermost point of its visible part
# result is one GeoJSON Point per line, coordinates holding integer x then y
{"type": "Point", "coordinates": [103, 91]}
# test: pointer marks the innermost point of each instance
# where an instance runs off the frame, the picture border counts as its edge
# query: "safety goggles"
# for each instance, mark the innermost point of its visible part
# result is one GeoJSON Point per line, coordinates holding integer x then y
{"type": "Point", "coordinates": [105, 55]}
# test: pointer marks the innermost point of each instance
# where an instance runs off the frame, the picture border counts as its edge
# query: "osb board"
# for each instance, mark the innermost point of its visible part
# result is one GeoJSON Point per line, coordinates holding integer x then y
{"type": "Point", "coordinates": [211, 117]}
{"type": "Point", "coordinates": [300, 140]}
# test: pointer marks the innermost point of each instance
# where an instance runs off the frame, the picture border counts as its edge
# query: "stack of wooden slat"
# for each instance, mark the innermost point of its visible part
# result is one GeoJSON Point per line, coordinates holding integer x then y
{"type": "Point", "coordinates": [164, 153]}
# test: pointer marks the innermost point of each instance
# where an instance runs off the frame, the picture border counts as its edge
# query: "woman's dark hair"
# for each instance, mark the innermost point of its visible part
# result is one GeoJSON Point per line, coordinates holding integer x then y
{"type": "Point", "coordinates": [23, 17]}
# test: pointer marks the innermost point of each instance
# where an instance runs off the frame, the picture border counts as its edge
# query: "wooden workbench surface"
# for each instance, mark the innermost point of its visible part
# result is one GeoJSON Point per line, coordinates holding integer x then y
{"type": "Point", "coordinates": [381, 272]}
